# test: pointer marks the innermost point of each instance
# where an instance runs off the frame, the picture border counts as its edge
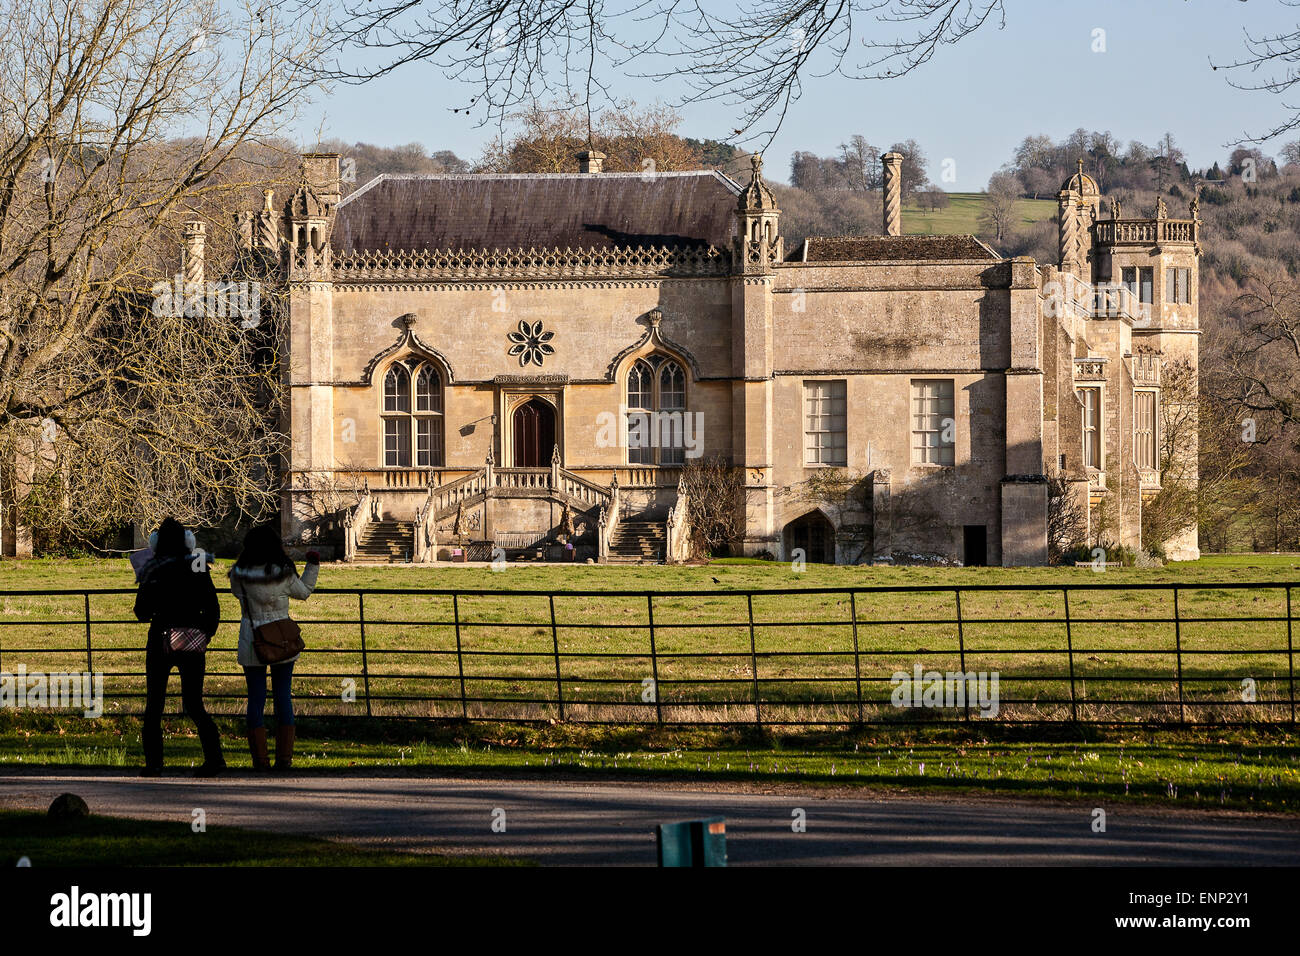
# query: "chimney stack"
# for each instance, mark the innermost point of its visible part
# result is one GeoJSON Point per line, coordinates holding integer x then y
{"type": "Point", "coordinates": [893, 163]}
{"type": "Point", "coordinates": [192, 260]}
{"type": "Point", "coordinates": [322, 171]}
{"type": "Point", "coordinates": [591, 161]}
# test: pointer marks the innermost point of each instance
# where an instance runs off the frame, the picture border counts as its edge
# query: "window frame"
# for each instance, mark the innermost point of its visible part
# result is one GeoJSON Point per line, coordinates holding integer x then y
{"type": "Point", "coordinates": [1097, 428]}
{"type": "Point", "coordinates": [920, 451]}
{"type": "Point", "coordinates": [814, 455]}
{"type": "Point", "coordinates": [1154, 431]}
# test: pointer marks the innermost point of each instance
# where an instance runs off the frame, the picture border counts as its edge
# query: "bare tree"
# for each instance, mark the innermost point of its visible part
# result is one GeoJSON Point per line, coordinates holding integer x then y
{"type": "Point", "coordinates": [515, 53]}
{"type": "Point", "coordinates": [1000, 204]}
{"type": "Point", "coordinates": [715, 504]}
{"type": "Point", "coordinates": [114, 404]}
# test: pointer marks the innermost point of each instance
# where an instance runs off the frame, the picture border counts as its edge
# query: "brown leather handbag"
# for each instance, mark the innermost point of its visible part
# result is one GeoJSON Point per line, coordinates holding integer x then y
{"type": "Point", "coordinates": [277, 641]}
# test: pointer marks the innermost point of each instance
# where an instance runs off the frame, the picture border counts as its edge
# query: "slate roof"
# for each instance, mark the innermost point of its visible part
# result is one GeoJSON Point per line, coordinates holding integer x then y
{"type": "Point", "coordinates": [542, 211]}
{"type": "Point", "coordinates": [884, 248]}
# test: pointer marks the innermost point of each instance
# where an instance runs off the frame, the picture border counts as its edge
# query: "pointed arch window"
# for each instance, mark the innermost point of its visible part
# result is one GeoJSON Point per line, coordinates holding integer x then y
{"type": "Point", "coordinates": [412, 415]}
{"type": "Point", "coordinates": [656, 411]}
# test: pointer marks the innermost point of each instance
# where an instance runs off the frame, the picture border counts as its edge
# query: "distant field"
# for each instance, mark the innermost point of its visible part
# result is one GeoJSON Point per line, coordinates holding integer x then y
{"type": "Point", "coordinates": [803, 644]}
{"type": "Point", "coordinates": [962, 216]}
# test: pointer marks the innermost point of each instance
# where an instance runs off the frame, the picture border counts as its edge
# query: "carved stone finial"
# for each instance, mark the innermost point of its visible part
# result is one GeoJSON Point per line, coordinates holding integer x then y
{"type": "Point", "coordinates": [268, 200]}
{"type": "Point", "coordinates": [1195, 206]}
{"type": "Point", "coordinates": [490, 458]}
{"type": "Point", "coordinates": [555, 454]}
{"type": "Point", "coordinates": [1116, 209]}
{"type": "Point", "coordinates": [654, 317]}
{"type": "Point", "coordinates": [408, 320]}
{"type": "Point", "coordinates": [1162, 210]}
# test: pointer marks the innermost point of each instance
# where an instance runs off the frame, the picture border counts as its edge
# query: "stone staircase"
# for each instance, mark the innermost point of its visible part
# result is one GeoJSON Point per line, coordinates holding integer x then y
{"type": "Point", "coordinates": [386, 542]}
{"type": "Point", "coordinates": [638, 541]}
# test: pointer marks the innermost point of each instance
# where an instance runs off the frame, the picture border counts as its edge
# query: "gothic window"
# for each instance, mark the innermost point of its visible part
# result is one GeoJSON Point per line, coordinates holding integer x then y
{"type": "Point", "coordinates": [413, 430]}
{"type": "Point", "coordinates": [656, 412]}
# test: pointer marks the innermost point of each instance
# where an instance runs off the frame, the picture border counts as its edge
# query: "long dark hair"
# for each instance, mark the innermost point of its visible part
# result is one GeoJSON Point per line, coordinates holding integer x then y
{"type": "Point", "coordinates": [264, 549]}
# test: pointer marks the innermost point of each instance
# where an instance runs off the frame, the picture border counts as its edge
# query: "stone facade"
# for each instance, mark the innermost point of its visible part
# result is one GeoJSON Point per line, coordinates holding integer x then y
{"type": "Point", "coordinates": [465, 352]}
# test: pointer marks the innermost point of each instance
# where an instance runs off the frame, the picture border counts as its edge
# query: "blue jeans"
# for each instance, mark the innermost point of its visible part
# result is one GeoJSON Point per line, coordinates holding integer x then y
{"type": "Point", "coordinates": [281, 676]}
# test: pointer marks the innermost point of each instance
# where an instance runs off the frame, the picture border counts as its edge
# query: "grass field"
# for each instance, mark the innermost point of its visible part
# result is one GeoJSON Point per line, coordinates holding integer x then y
{"type": "Point", "coordinates": [802, 651]}
{"type": "Point", "coordinates": [98, 840]}
{"type": "Point", "coordinates": [962, 215]}
{"type": "Point", "coordinates": [1248, 768]}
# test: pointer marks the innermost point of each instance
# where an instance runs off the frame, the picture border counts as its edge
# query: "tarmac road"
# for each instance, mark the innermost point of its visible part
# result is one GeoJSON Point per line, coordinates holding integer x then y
{"type": "Point", "coordinates": [561, 822]}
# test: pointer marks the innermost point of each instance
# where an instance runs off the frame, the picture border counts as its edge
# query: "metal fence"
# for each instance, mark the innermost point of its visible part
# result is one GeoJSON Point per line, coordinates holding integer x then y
{"type": "Point", "coordinates": [1160, 654]}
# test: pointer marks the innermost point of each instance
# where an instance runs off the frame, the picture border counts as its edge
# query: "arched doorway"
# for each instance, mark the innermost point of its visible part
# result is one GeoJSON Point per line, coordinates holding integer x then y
{"type": "Point", "coordinates": [534, 434]}
{"type": "Point", "coordinates": [814, 535]}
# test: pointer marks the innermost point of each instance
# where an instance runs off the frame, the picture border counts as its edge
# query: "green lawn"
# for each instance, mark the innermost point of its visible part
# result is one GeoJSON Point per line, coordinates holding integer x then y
{"type": "Point", "coordinates": [803, 644]}
{"type": "Point", "coordinates": [1249, 768]}
{"type": "Point", "coordinates": [962, 215]}
{"type": "Point", "coordinates": [115, 841]}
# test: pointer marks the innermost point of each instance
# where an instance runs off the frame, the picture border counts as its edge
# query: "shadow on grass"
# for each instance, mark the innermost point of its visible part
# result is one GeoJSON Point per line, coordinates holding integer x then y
{"type": "Point", "coordinates": [115, 841]}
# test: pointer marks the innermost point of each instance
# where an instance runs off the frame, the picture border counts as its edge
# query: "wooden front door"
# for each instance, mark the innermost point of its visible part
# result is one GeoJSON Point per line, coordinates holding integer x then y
{"type": "Point", "coordinates": [534, 434]}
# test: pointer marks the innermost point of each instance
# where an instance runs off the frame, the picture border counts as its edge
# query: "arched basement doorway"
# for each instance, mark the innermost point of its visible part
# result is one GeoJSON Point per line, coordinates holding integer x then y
{"type": "Point", "coordinates": [814, 535]}
{"type": "Point", "coordinates": [534, 434]}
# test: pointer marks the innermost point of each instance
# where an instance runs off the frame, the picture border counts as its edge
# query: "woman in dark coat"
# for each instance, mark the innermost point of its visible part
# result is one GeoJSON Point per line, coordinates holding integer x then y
{"type": "Point", "coordinates": [176, 593]}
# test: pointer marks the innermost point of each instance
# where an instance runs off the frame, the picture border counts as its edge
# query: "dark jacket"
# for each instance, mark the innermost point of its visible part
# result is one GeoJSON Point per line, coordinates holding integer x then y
{"type": "Point", "coordinates": [173, 594]}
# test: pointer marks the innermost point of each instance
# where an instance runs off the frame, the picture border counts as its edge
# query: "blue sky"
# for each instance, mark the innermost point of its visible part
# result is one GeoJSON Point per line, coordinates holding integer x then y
{"type": "Point", "coordinates": [972, 103]}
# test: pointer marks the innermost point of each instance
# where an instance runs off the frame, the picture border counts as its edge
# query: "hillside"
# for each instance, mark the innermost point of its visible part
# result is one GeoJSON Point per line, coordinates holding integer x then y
{"type": "Point", "coordinates": [962, 216]}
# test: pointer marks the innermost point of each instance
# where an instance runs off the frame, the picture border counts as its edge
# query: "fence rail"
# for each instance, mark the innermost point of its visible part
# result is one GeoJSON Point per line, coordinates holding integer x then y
{"type": "Point", "coordinates": [1158, 654]}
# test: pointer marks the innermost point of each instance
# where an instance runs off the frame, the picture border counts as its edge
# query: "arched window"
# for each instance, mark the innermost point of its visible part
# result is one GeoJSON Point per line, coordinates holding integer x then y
{"type": "Point", "coordinates": [656, 412]}
{"type": "Point", "coordinates": [413, 433]}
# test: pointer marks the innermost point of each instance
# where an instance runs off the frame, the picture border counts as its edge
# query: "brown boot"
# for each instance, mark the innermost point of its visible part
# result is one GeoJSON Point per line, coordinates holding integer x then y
{"type": "Point", "coordinates": [257, 747]}
{"type": "Point", "coordinates": [284, 747]}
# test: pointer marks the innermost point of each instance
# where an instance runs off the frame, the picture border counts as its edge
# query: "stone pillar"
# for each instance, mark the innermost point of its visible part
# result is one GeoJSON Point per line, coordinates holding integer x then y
{"type": "Point", "coordinates": [192, 264]}
{"type": "Point", "coordinates": [893, 169]}
{"type": "Point", "coordinates": [591, 161]}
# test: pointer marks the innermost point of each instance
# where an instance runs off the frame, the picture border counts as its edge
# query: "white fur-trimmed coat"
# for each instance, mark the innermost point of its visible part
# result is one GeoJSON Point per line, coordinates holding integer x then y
{"type": "Point", "coordinates": [263, 595]}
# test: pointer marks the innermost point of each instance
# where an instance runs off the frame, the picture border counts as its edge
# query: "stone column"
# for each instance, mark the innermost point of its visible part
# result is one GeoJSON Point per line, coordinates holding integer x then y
{"type": "Point", "coordinates": [893, 168]}
{"type": "Point", "coordinates": [192, 266]}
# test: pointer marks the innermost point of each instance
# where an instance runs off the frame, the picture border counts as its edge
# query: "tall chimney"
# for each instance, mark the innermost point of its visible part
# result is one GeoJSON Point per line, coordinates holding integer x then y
{"type": "Point", "coordinates": [192, 264]}
{"type": "Point", "coordinates": [893, 163]}
{"type": "Point", "coordinates": [591, 161]}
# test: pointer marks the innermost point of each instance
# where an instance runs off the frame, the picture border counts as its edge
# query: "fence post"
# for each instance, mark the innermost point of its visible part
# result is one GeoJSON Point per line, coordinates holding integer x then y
{"type": "Point", "coordinates": [1290, 656]}
{"type": "Point", "coordinates": [857, 658]}
{"type": "Point", "coordinates": [1178, 649]}
{"type": "Point", "coordinates": [753, 659]}
{"type": "Point", "coordinates": [90, 667]}
{"type": "Point", "coordinates": [654, 659]}
{"type": "Point", "coordinates": [1069, 646]}
{"type": "Point", "coordinates": [961, 651]}
{"type": "Point", "coordinates": [555, 641]}
{"type": "Point", "coordinates": [460, 660]}
{"type": "Point", "coordinates": [365, 661]}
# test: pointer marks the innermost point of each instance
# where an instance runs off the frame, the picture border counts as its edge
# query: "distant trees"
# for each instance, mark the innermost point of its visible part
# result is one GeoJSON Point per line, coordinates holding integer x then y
{"type": "Point", "coordinates": [634, 139]}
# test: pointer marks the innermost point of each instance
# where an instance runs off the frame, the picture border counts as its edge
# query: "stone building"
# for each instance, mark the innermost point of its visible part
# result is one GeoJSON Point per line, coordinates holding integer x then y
{"type": "Point", "coordinates": [527, 361]}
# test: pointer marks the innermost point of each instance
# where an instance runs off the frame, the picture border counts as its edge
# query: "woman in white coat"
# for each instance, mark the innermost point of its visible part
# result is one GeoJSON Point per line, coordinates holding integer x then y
{"type": "Point", "coordinates": [263, 579]}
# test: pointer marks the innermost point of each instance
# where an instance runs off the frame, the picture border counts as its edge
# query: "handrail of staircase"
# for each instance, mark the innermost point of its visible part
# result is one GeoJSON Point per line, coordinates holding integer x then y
{"type": "Point", "coordinates": [608, 522]}
{"type": "Point", "coordinates": [356, 520]}
{"type": "Point", "coordinates": [575, 486]}
{"type": "Point", "coordinates": [446, 497]}
{"type": "Point", "coordinates": [677, 538]}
